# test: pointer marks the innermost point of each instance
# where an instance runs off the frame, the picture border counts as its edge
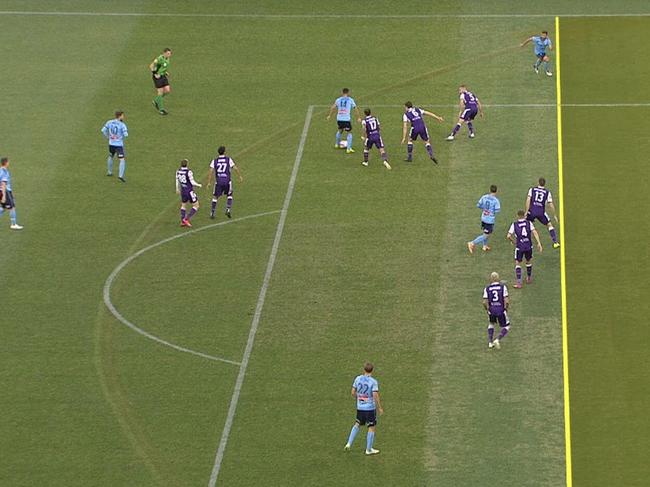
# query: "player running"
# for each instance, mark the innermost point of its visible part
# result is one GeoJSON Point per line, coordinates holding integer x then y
{"type": "Point", "coordinates": [185, 185]}
{"type": "Point", "coordinates": [373, 137]}
{"type": "Point", "coordinates": [519, 235]}
{"type": "Point", "coordinates": [496, 303]}
{"type": "Point", "coordinates": [414, 117]}
{"type": "Point", "coordinates": [115, 131]}
{"type": "Point", "coordinates": [470, 106]}
{"type": "Point", "coordinates": [536, 201]}
{"type": "Point", "coordinates": [365, 389]}
{"type": "Point", "coordinates": [160, 74]}
{"type": "Point", "coordinates": [343, 106]}
{"type": "Point", "coordinates": [221, 166]}
{"type": "Point", "coordinates": [490, 206]}
{"type": "Point", "coordinates": [6, 194]}
{"type": "Point", "coordinates": [542, 43]}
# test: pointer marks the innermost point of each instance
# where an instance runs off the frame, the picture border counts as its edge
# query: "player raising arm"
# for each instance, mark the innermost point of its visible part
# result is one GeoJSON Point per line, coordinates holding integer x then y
{"type": "Point", "coordinates": [414, 117]}
{"type": "Point", "coordinates": [541, 43]}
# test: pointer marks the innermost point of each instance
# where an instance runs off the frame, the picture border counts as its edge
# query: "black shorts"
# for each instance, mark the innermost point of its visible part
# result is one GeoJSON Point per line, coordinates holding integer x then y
{"type": "Point", "coordinates": [9, 201]}
{"type": "Point", "coordinates": [488, 228]}
{"type": "Point", "coordinates": [160, 82]}
{"type": "Point", "coordinates": [344, 125]}
{"type": "Point", "coordinates": [116, 149]}
{"type": "Point", "coordinates": [367, 417]}
{"type": "Point", "coordinates": [502, 319]}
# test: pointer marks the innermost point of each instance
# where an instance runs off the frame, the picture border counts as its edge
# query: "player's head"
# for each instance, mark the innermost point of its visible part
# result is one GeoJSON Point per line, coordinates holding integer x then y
{"type": "Point", "coordinates": [167, 52]}
{"type": "Point", "coordinates": [221, 150]}
{"type": "Point", "coordinates": [493, 188]}
{"type": "Point", "coordinates": [119, 115]}
{"type": "Point", "coordinates": [462, 89]}
{"type": "Point", "coordinates": [4, 162]}
{"type": "Point", "coordinates": [544, 34]}
{"type": "Point", "coordinates": [408, 104]}
{"type": "Point", "coordinates": [521, 214]}
{"type": "Point", "coordinates": [368, 368]}
{"type": "Point", "coordinates": [184, 163]}
{"type": "Point", "coordinates": [367, 112]}
{"type": "Point", "coordinates": [542, 181]}
{"type": "Point", "coordinates": [494, 277]}
{"type": "Point", "coordinates": [345, 91]}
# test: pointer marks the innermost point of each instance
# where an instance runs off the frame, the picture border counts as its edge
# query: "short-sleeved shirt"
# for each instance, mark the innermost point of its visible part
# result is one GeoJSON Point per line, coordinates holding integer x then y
{"type": "Point", "coordinates": [541, 44]}
{"type": "Point", "coordinates": [496, 294]}
{"type": "Point", "coordinates": [414, 115]}
{"type": "Point", "coordinates": [344, 106]}
{"type": "Point", "coordinates": [372, 126]}
{"type": "Point", "coordinates": [222, 166]}
{"type": "Point", "coordinates": [522, 230]}
{"type": "Point", "coordinates": [365, 385]}
{"type": "Point", "coordinates": [539, 196]}
{"type": "Point", "coordinates": [491, 206]}
{"type": "Point", "coordinates": [115, 131]}
{"type": "Point", "coordinates": [470, 99]}
{"type": "Point", "coordinates": [161, 65]}
{"type": "Point", "coordinates": [5, 177]}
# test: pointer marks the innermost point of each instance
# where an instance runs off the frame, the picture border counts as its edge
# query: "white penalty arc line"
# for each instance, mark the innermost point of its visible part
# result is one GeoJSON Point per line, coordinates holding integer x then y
{"type": "Point", "coordinates": [314, 16]}
{"type": "Point", "coordinates": [111, 278]}
{"type": "Point", "coordinates": [232, 409]}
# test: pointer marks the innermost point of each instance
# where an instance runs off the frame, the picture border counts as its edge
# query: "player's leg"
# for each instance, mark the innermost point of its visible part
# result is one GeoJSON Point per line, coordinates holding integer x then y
{"type": "Point", "coordinates": [538, 61]}
{"type": "Point", "coordinates": [122, 167]}
{"type": "Point", "coordinates": [10, 204]}
{"type": "Point", "coordinates": [370, 439]}
{"type": "Point", "coordinates": [553, 234]}
{"type": "Point", "coordinates": [109, 161]}
{"type": "Point", "coordinates": [547, 69]}
{"type": "Point", "coordinates": [518, 259]}
{"type": "Point", "coordinates": [504, 324]}
{"type": "Point", "coordinates": [183, 214]}
{"type": "Point", "coordinates": [456, 128]}
{"type": "Point", "coordinates": [339, 133]}
{"type": "Point", "coordinates": [490, 331]}
{"type": "Point", "coordinates": [348, 129]}
{"type": "Point", "coordinates": [367, 145]}
{"type": "Point", "coordinates": [158, 100]}
{"type": "Point", "coordinates": [409, 145]}
{"type": "Point", "coordinates": [384, 155]}
{"type": "Point", "coordinates": [195, 205]}
{"type": "Point", "coordinates": [229, 201]}
{"type": "Point", "coordinates": [529, 269]}
{"type": "Point", "coordinates": [470, 123]}
{"type": "Point", "coordinates": [353, 433]}
{"type": "Point", "coordinates": [427, 145]}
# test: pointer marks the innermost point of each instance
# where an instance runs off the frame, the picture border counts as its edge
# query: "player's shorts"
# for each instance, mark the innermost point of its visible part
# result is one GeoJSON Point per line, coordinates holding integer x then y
{"type": "Point", "coordinates": [189, 197]}
{"type": "Point", "coordinates": [543, 218]}
{"type": "Point", "coordinates": [9, 201]}
{"type": "Point", "coordinates": [344, 125]}
{"type": "Point", "coordinates": [502, 319]}
{"type": "Point", "coordinates": [540, 55]}
{"type": "Point", "coordinates": [116, 149]}
{"type": "Point", "coordinates": [488, 228]}
{"type": "Point", "coordinates": [469, 114]}
{"type": "Point", "coordinates": [423, 133]}
{"type": "Point", "coordinates": [160, 82]}
{"type": "Point", "coordinates": [367, 417]}
{"type": "Point", "coordinates": [376, 141]}
{"type": "Point", "coordinates": [223, 188]}
{"type": "Point", "coordinates": [520, 255]}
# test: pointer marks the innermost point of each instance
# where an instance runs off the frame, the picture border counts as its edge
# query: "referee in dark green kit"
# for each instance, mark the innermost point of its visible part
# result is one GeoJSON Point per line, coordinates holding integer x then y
{"type": "Point", "coordinates": [160, 72]}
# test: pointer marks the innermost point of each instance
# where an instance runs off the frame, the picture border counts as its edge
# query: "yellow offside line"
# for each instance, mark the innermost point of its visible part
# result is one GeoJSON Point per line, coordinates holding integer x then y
{"type": "Point", "coordinates": [565, 338]}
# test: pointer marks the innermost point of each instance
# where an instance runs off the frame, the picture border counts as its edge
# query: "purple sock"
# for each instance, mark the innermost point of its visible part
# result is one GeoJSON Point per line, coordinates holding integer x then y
{"type": "Point", "coordinates": [456, 129]}
{"type": "Point", "coordinates": [409, 150]}
{"type": "Point", "coordinates": [182, 213]}
{"type": "Point", "coordinates": [503, 333]}
{"type": "Point", "coordinates": [490, 334]}
{"type": "Point", "coordinates": [518, 273]}
{"type": "Point", "coordinates": [529, 270]}
{"type": "Point", "coordinates": [430, 150]}
{"type": "Point", "coordinates": [365, 156]}
{"type": "Point", "coordinates": [470, 127]}
{"type": "Point", "coordinates": [553, 235]}
{"type": "Point", "coordinates": [192, 211]}
{"type": "Point", "coordinates": [229, 203]}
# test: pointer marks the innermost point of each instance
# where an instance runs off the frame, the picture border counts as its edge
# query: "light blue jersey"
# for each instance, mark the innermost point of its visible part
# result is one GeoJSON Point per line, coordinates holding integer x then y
{"type": "Point", "coordinates": [5, 177]}
{"type": "Point", "coordinates": [344, 104]}
{"type": "Point", "coordinates": [490, 206]}
{"type": "Point", "coordinates": [365, 385]}
{"type": "Point", "coordinates": [541, 45]}
{"type": "Point", "coordinates": [115, 131]}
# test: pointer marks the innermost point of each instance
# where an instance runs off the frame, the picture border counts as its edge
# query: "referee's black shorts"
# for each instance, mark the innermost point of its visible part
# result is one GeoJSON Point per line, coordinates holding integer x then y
{"type": "Point", "coordinates": [160, 82]}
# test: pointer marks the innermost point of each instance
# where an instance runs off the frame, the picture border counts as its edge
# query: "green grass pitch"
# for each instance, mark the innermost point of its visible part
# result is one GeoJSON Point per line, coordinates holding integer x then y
{"type": "Point", "coordinates": [372, 264]}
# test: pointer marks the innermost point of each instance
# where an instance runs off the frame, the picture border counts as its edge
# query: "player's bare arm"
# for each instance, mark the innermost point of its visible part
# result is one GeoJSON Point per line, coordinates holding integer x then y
{"type": "Point", "coordinates": [526, 42]}
{"type": "Point", "coordinates": [375, 396]}
{"type": "Point", "coordinates": [485, 305]}
{"type": "Point", "coordinates": [354, 392]}
{"type": "Point", "coordinates": [431, 114]}
{"type": "Point", "coordinates": [332, 108]}
{"type": "Point", "coordinates": [507, 302]}
{"type": "Point", "coordinates": [236, 168]}
{"type": "Point", "coordinates": [3, 187]}
{"type": "Point", "coordinates": [509, 237]}
{"type": "Point", "coordinates": [405, 128]}
{"type": "Point", "coordinates": [539, 242]}
{"type": "Point", "coordinates": [552, 207]}
{"type": "Point", "coordinates": [358, 113]}
{"type": "Point", "coordinates": [527, 204]}
{"type": "Point", "coordinates": [480, 108]}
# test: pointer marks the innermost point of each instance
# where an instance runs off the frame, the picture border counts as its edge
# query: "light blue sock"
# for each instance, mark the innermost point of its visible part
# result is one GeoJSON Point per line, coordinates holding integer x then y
{"type": "Point", "coordinates": [109, 165]}
{"type": "Point", "coordinates": [546, 66]}
{"type": "Point", "coordinates": [12, 215]}
{"type": "Point", "coordinates": [538, 62]}
{"type": "Point", "coordinates": [353, 433]}
{"type": "Point", "coordinates": [370, 439]}
{"type": "Point", "coordinates": [349, 141]}
{"type": "Point", "coordinates": [338, 138]}
{"type": "Point", "coordinates": [122, 167]}
{"type": "Point", "coordinates": [2, 210]}
{"type": "Point", "coordinates": [478, 240]}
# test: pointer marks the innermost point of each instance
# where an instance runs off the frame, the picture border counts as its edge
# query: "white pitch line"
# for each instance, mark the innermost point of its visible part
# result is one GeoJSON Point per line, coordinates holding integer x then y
{"type": "Point", "coordinates": [515, 105]}
{"type": "Point", "coordinates": [131, 258]}
{"type": "Point", "coordinates": [313, 16]}
{"type": "Point", "coordinates": [225, 434]}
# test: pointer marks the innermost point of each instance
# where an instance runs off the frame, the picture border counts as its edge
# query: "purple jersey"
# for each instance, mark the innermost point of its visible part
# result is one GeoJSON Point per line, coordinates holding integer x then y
{"type": "Point", "coordinates": [372, 126]}
{"type": "Point", "coordinates": [222, 166]}
{"type": "Point", "coordinates": [523, 231]}
{"type": "Point", "coordinates": [539, 196]}
{"type": "Point", "coordinates": [469, 99]}
{"type": "Point", "coordinates": [496, 294]}
{"type": "Point", "coordinates": [184, 180]}
{"type": "Point", "coordinates": [414, 115]}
